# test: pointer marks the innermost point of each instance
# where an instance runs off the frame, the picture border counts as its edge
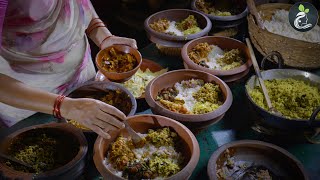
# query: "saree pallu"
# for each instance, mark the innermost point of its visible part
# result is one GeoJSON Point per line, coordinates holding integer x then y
{"type": "Point", "coordinates": [44, 46]}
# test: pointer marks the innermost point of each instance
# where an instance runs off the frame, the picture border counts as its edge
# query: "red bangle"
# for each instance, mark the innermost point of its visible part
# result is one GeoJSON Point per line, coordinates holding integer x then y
{"type": "Point", "coordinates": [105, 39]}
{"type": "Point", "coordinates": [89, 32]}
{"type": "Point", "coordinates": [93, 26]}
{"type": "Point", "coordinates": [56, 107]}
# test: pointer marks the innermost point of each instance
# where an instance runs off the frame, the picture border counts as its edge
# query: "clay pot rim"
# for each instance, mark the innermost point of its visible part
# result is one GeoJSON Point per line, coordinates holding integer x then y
{"type": "Point", "coordinates": [117, 46]}
{"type": "Point", "coordinates": [193, 65]}
{"type": "Point", "coordinates": [109, 83]}
{"type": "Point", "coordinates": [236, 17]}
{"type": "Point", "coordinates": [211, 168]}
{"type": "Point", "coordinates": [194, 158]}
{"type": "Point", "coordinates": [169, 37]}
{"type": "Point", "coordinates": [200, 117]}
{"type": "Point", "coordinates": [75, 132]}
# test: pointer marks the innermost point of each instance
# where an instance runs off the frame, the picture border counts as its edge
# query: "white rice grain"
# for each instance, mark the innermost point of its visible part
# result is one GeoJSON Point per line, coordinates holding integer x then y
{"type": "Point", "coordinates": [213, 56]}
{"type": "Point", "coordinates": [173, 29]}
{"type": "Point", "coordinates": [185, 94]}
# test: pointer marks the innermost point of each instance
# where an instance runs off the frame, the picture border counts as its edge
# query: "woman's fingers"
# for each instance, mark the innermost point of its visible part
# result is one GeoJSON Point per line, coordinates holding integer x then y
{"type": "Point", "coordinates": [109, 119]}
{"type": "Point", "coordinates": [119, 40]}
{"type": "Point", "coordinates": [111, 110]}
{"type": "Point", "coordinates": [96, 115]}
{"type": "Point", "coordinates": [106, 127]}
{"type": "Point", "coordinates": [99, 131]}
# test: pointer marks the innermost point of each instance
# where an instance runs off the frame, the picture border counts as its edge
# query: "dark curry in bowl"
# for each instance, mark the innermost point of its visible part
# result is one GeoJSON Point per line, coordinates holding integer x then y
{"type": "Point", "coordinates": [41, 148]}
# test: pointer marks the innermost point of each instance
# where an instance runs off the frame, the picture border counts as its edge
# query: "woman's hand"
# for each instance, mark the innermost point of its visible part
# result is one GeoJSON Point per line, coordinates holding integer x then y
{"type": "Point", "coordinates": [118, 40]}
{"type": "Point", "coordinates": [96, 115]}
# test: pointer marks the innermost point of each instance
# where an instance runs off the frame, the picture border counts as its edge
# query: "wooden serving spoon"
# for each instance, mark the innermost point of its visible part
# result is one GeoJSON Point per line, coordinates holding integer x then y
{"type": "Point", "coordinates": [137, 140]}
{"type": "Point", "coordinates": [253, 10]}
{"type": "Point", "coordinates": [258, 73]}
{"type": "Point", "coordinates": [2, 155]}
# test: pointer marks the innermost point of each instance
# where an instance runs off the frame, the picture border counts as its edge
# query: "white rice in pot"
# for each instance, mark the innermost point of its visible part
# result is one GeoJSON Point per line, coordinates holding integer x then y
{"type": "Point", "coordinates": [280, 25]}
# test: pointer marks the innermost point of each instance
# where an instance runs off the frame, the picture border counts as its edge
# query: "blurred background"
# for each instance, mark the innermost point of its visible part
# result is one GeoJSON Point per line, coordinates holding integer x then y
{"type": "Point", "coordinates": [126, 17]}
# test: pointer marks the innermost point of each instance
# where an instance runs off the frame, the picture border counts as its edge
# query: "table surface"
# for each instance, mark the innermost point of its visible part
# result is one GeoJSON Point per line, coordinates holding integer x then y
{"type": "Point", "coordinates": [236, 125]}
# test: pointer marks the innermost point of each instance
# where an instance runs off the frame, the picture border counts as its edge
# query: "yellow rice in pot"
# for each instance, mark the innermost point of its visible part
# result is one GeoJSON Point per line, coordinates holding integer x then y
{"type": "Point", "coordinates": [294, 99]}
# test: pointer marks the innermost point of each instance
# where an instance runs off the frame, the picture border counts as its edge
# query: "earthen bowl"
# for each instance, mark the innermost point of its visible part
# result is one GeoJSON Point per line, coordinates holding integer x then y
{"type": "Point", "coordinates": [72, 144]}
{"type": "Point", "coordinates": [115, 76]}
{"type": "Point", "coordinates": [261, 155]}
{"type": "Point", "coordinates": [223, 43]}
{"type": "Point", "coordinates": [177, 15]}
{"type": "Point", "coordinates": [243, 11]}
{"type": "Point", "coordinates": [193, 121]}
{"type": "Point", "coordinates": [142, 123]}
{"type": "Point", "coordinates": [97, 89]}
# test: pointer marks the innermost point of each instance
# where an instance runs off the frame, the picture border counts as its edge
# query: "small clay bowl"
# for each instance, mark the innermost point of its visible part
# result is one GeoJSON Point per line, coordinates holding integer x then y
{"type": "Point", "coordinates": [242, 14]}
{"type": "Point", "coordinates": [177, 15]}
{"type": "Point", "coordinates": [72, 145]}
{"type": "Point", "coordinates": [94, 88]}
{"type": "Point", "coordinates": [223, 43]}
{"type": "Point", "coordinates": [115, 76]}
{"type": "Point", "coordinates": [141, 124]}
{"type": "Point", "coordinates": [193, 121]}
{"type": "Point", "coordinates": [260, 155]}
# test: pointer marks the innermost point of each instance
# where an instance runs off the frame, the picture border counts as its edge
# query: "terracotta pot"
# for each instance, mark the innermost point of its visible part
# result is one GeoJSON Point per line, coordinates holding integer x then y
{"type": "Point", "coordinates": [142, 123]}
{"type": "Point", "coordinates": [93, 88]}
{"type": "Point", "coordinates": [278, 161]}
{"type": "Point", "coordinates": [220, 19]}
{"type": "Point", "coordinates": [65, 133]}
{"type": "Point", "coordinates": [177, 15]}
{"type": "Point", "coordinates": [191, 120]}
{"type": "Point", "coordinates": [146, 63]}
{"type": "Point", "coordinates": [223, 43]}
{"type": "Point", "coordinates": [114, 76]}
{"type": "Point", "coordinates": [151, 65]}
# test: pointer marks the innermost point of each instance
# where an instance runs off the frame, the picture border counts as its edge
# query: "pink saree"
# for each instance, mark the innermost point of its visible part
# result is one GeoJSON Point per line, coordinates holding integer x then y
{"type": "Point", "coordinates": [44, 45]}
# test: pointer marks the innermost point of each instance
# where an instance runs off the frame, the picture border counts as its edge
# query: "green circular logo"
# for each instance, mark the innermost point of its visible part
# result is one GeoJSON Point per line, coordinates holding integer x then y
{"type": "Point", "coordinates": [303, 16]}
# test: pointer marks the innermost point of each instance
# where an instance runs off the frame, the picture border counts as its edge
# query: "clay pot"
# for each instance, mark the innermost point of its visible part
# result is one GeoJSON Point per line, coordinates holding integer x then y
{"type": "Point", "coordinates": [69, 137]}
{"type": "Point", "coordinates": [278, 161]}
{"type": "Point", "coordinates": [177, 15]}
{"type": "Point", "coordinates": [223, 43]}
{"type": "Point", "coordinates": [193, 121]}
{"type": "Point", "coordinates": [151, 65]}
{"type": "Point", "coordinates": [93, 88]}
{"type": "Point", "coordinates": [146, 63]}
{"type": "Point", "coordinates": [142, 123]}
{"type": "Point", "coordinates": [114, 76]}
{"type": "Point", "coordinates": [226, 21]}
{"type": "Point", "coordinates": [170, 44]}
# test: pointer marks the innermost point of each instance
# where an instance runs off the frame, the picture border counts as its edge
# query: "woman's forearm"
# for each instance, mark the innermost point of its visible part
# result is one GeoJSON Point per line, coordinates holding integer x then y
{"type": "Point", "coordinates": [97, 34]}
{"type": "Point", "coordinates": [94, 114]}
{"type": "Point", "coordinates": [20, 95]}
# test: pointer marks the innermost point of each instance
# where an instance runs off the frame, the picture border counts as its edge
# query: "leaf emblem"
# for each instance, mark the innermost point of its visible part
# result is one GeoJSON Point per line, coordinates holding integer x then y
{"type": "Point", "coordinates": [306, 10]}
{"type": "Point", "coordinates": [301, 8]}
